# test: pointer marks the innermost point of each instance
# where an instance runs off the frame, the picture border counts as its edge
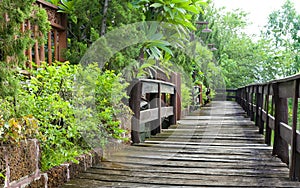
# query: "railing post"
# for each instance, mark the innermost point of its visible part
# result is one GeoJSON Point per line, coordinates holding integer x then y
{"type": "Point", "coordinates": [156, 102]}
{"type": "Point", "coordinates": [280, 147]}
{"type": "Point", "coordinates": [243, 98]}
{"type": "Point", "coordinates": [235, 94]}
{"type": "Point", "coordinates": [238, 95]}
{"type": "Point", "coordinates": [267, 104]}
{"type": "Point", "coordinates": [178, 96]}
{"type": "Point", "coordinates": [159, 107]}
{"type": "Point", "coordinates": [251, 103]}
{"type": "Point", "coordinates": [134, 103]}
{"type": "Point", "coordinates": [173, 118]}
{"type": "Point", "coordinates": [247, 93]}
{"type": "Point", "coordinates": [295, 156]}
{"type": "Point", "coordinates": [258, 113]}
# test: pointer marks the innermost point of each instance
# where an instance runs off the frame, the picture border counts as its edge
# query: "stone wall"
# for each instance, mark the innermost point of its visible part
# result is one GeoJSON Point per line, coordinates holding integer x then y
{"type": "Point", "coordinates": [21, 166]}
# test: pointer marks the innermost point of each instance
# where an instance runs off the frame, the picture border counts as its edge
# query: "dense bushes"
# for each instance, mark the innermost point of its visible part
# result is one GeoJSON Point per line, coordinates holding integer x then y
{"type": "Point", "coordinates": [46, 97]}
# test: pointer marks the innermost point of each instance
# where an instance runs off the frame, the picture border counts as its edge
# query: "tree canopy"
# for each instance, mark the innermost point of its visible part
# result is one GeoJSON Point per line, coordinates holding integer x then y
{"type": "Point", "coordinates": [244, 59]}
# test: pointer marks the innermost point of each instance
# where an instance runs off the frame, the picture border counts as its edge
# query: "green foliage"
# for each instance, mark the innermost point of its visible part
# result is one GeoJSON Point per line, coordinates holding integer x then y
{"type": "Point", "coordinates": [17, 129]}
{"type": "Point", "coordinates": [282, 35]}
{"type": "Point", "coordinates": [186, 97]}
{"type": "Point", "coordinates": [40, 18]}
{"type": "Point", "coordinates": [155, 43]}
{"type": "Point", "coordinates": [244, 60]}
{"type": "Point", "coordinates": [2, 176]}
{"type": "Point", "coordinates": [47, 95]}
{"type": "Point", "coordinates": [47, 107]}
{"type": "Point", "coordinates": [8, 84]}
{"type": "Point", "coordinates": [204, 96]}
{"type": "Point", "coordinates": [68, 7]}
{"type": "Point", "coordinates": [182, 14]}
{"type": "Point", "coordinates": [54, 2]}
{"type": "Point", "coordinates": [156, 53]}
{"type": "Point", "coordinates": [186, 92]}
{"type": "Point", "coordinates": [13, 41]}
{"type": "Point", "coordinates": [110, 90]}
{"type": "Point", "coordinates": [238, 56]}
{"type": "Point", "coordinates": [173, 11]}
{"type": "Point", "coordinates": [89, 16]}
{"type": "Point", "coordinates": [85, 19]}
{"type": "Point", "coordinates": [43, 100]}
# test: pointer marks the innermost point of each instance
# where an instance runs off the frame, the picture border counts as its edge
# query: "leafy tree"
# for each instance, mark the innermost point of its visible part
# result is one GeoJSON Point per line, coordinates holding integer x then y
{"type": "Point", "coordinates": [282, 32]}
{"type": "Point", "coordinates": [181, 14]}
{"type": "Point", "coordinates": [86, 22]}
{"type": "Point", "coordinates": [177, 12]}
{"type": "Point", "coordinates": [238, 55]}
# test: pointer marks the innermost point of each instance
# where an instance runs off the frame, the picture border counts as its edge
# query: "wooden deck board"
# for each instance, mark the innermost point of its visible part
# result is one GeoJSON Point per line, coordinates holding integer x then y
{"type": "Point", "coordinates": [222, 150]}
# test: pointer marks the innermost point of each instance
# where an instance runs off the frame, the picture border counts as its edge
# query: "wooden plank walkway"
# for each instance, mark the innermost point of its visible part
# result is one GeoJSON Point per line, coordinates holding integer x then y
{"type": "Point", "coordinates": [214, 147]}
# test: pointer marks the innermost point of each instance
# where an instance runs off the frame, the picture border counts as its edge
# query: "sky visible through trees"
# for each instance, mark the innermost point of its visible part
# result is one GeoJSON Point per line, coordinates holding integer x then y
{"type": "Point", "coordinates": [258, 10]}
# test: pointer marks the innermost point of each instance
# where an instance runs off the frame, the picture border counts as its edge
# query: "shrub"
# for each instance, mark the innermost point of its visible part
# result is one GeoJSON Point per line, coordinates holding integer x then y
{"type": "Point", "coordinates": [99, 98]}
{"type": "Point", "coordinates": [58, 104]}
{"type": "Point", "coordinates": [17, 129]}
{"type": "Point", "coordinates": [186, 97]}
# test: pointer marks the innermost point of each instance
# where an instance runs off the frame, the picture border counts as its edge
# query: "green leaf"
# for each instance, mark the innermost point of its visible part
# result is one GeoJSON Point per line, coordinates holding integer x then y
{"type": "Point", "coordinates": [156, 36]}
{"type": "Point", "coordinates": [149, 63]}
{"type": "Point", "coordinates": [172, 14]}
{"type": "Point", "coordinates": [181, 10]}
{"type": "Point", "coordinates": [154, 52]}
{"type": "Point", "coordinates": [192, 8]}
{"type": "Point", "coordinates": [156, 5]}
{"type": "Point", "coordinates": [165, 48]}
{"type": "Point", "coordinates": [66, 6]}
{"type": "Point", "coordinates": [201, 4]}
{"type": "Point", "coordinates": [153, 28]}
{"type": "Point", "coordinates": [186, 23]}
{"type": "Point", "coordinates": [166, 8]}
{"type": "Point", "coordinates": [160, 42]}
{"type": "Point", "coordinates": [179, 1]}
{"type": "Point", "coordinates": [55, 2]}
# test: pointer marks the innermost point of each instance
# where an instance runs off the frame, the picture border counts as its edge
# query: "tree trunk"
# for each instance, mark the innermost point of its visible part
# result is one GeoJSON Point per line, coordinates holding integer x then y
{"type": "Point", "coordinates": [103, 25]}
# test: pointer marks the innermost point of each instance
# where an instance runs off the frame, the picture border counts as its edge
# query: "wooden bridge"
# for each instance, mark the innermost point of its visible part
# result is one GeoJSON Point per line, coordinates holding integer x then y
{"type": "Point", "coordinates": [217, 146]}
{"type": "Point", "coordinates": [251, 141]}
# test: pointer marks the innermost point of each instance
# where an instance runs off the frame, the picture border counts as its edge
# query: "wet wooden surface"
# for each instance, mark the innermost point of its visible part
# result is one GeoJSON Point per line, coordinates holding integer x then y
{"type": "Point", "coordinates": [215, 147]}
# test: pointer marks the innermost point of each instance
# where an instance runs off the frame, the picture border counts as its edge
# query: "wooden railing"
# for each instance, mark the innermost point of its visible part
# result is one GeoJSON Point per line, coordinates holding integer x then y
{"type": "Point", "coordinates": [151, 101]}
{"type": "Point", "coordinates": [267, 105]}
{"type": "Point", "coordinates": [56, 37]}
{"type": "Point", "coordinates": [226, 94]}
